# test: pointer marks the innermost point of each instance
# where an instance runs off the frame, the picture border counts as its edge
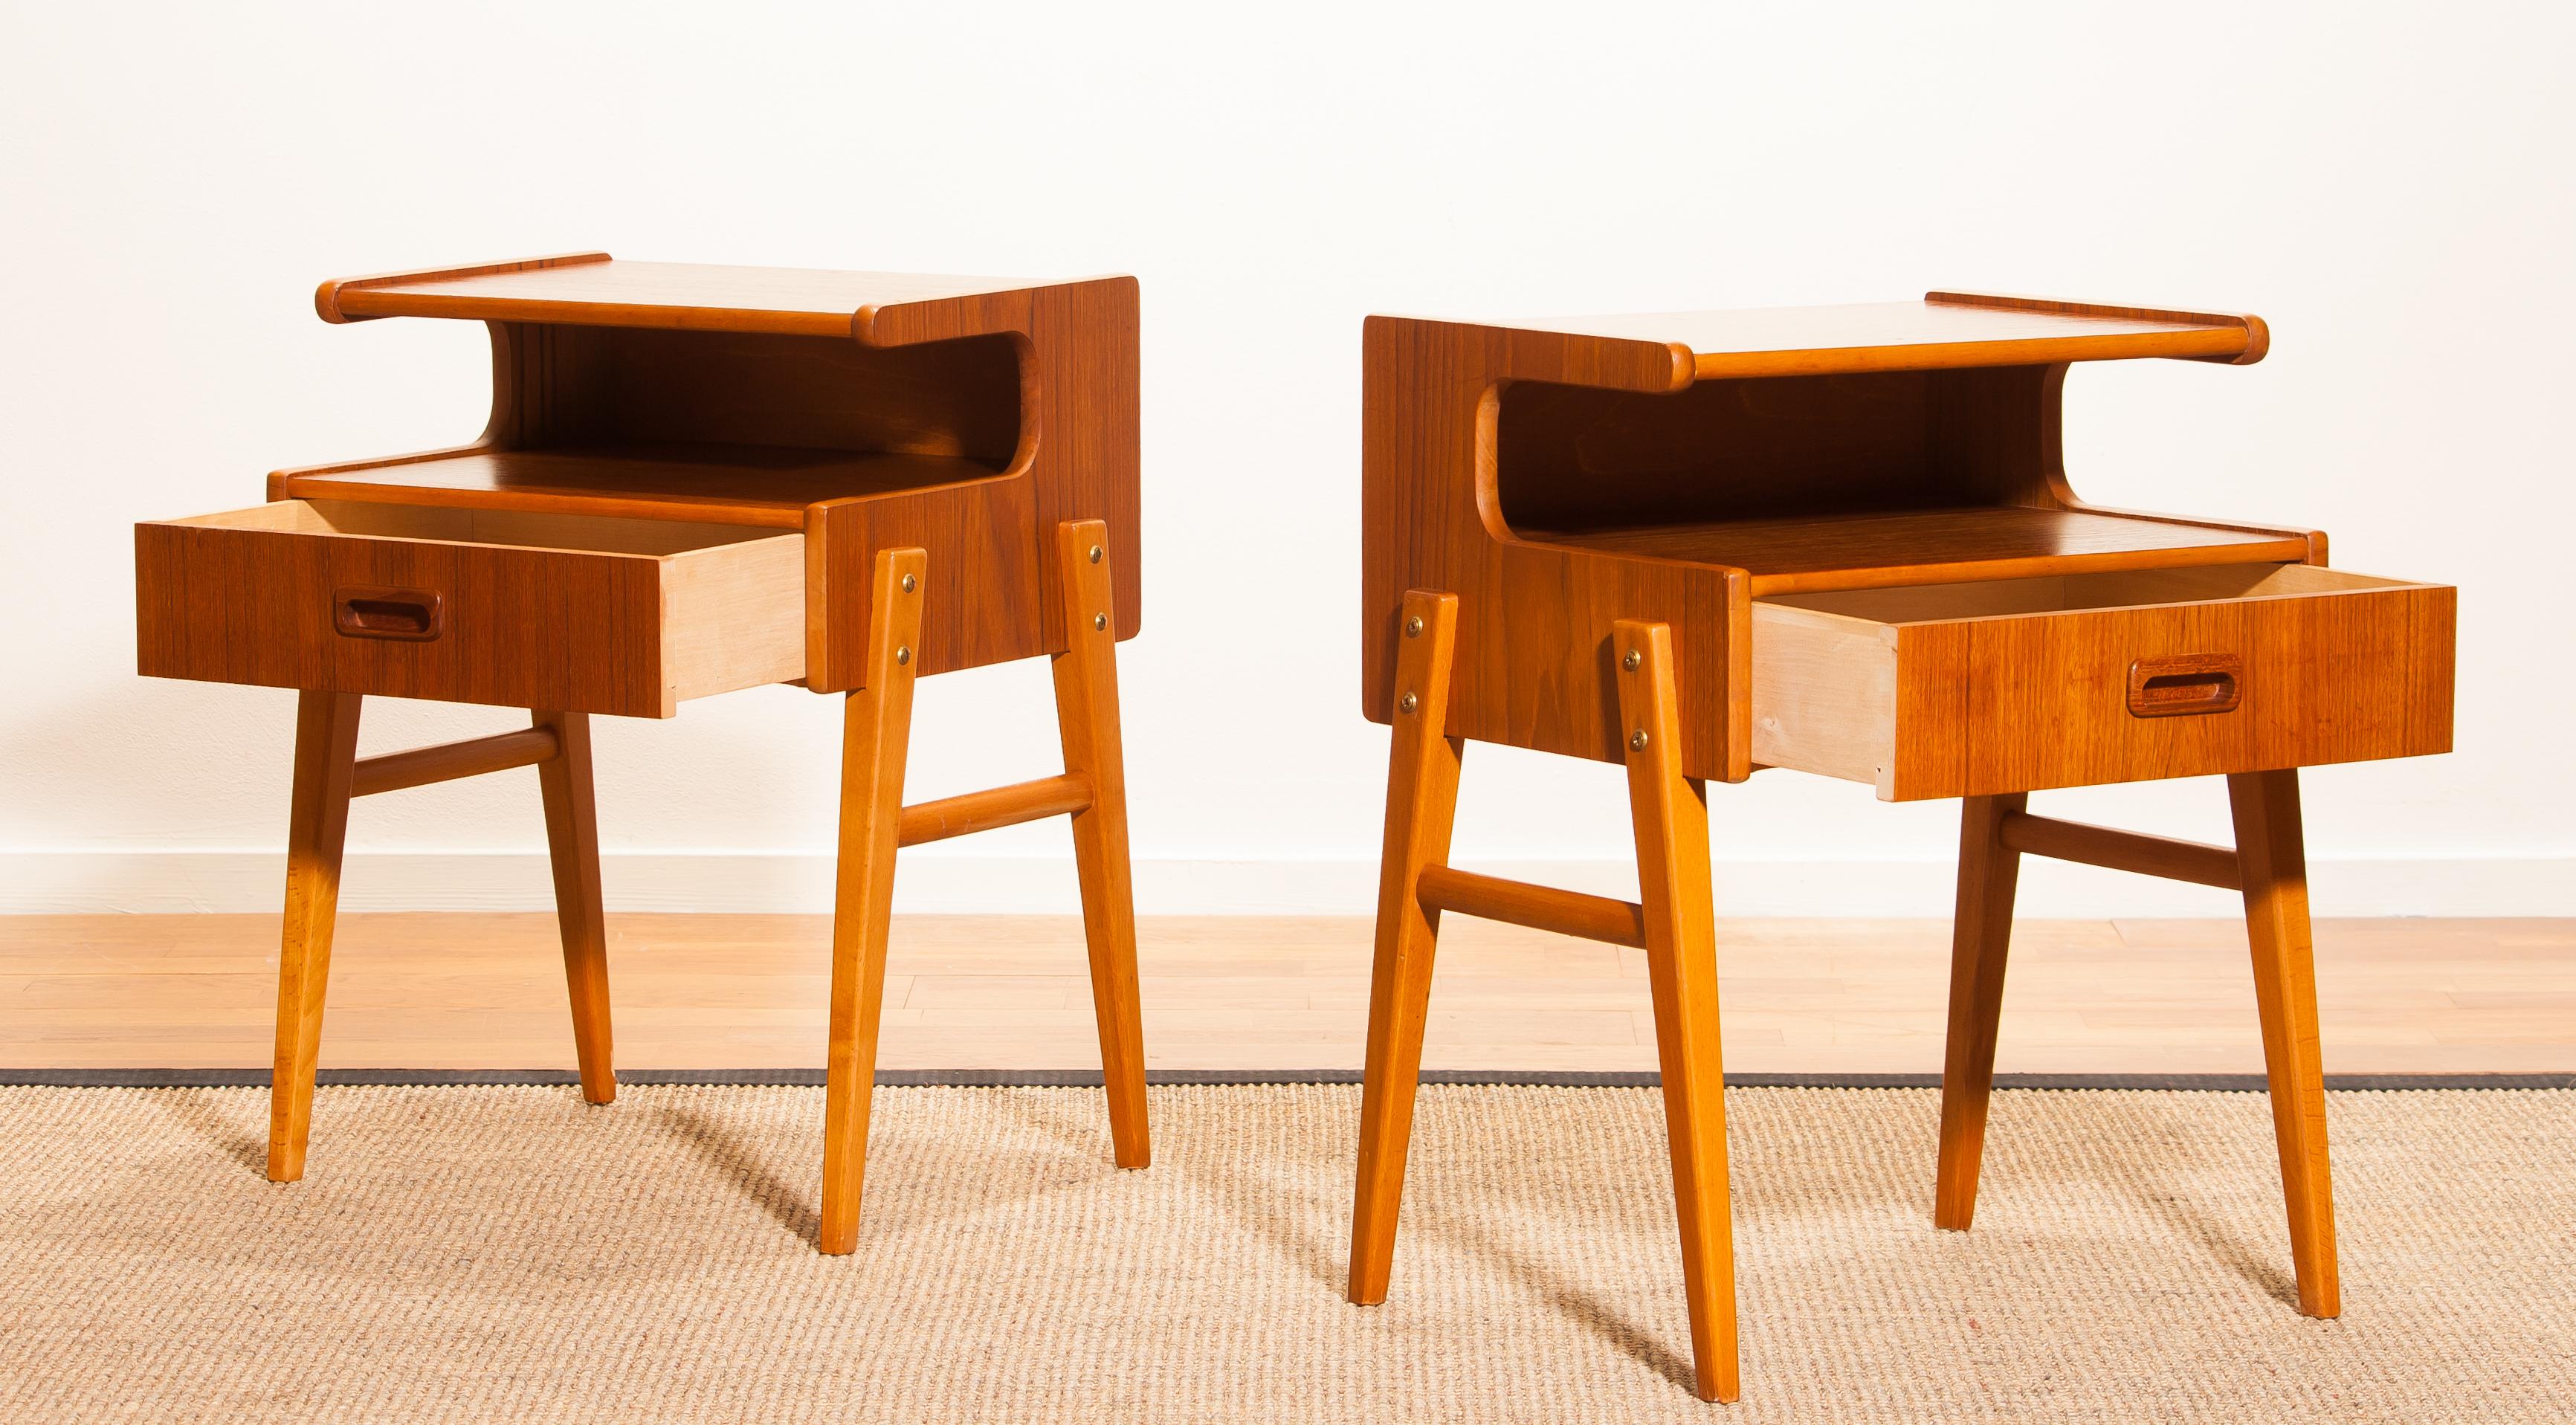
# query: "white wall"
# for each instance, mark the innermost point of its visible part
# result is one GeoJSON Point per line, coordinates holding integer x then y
{"type": "Point", "coordinates": [2391, 191]}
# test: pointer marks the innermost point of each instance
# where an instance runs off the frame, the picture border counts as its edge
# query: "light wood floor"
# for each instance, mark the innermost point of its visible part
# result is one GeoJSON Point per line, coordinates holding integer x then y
{"type": "Point", "coordinates": [734, 992]}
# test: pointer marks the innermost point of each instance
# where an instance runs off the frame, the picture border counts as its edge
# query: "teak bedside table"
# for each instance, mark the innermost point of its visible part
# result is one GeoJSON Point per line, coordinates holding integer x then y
{"type": "Point", "coordinates": [698, 479]}
{"type": "Point", "coordinates": [1839, 539]}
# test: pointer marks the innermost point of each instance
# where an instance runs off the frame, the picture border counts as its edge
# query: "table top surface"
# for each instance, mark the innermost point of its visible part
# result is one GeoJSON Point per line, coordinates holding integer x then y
{"type": "Point", "coordinates": [594, 289]}
{"type": "Point", "coordinates": [1944, 329]}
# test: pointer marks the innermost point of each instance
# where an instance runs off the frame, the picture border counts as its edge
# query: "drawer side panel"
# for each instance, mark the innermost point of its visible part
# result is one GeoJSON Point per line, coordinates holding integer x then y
{"type": "Point", "coordinates": [1824, 693]}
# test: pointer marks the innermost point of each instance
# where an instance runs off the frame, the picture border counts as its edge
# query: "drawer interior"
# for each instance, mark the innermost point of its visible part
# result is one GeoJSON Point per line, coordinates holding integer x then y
{"type": "Point", "coordinates": [2128, 588]}
{"type": "Point", "coordinates": [518, 528]}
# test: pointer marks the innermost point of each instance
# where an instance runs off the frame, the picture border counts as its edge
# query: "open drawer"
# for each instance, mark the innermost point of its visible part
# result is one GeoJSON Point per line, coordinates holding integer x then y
{"type": "Point", "coordinates": [575, 613]}
{"type": "Point", "coordinates": [1974, 689]}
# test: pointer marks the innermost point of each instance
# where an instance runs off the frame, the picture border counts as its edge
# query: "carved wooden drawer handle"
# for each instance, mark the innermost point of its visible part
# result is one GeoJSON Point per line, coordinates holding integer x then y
{"type": "Point", "coordinates": [368, 611]}
{"type": "Point", "coordinates": [2185, 684]}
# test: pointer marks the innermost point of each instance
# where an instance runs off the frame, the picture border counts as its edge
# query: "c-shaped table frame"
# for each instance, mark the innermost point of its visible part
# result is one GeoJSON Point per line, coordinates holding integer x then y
{"type": "Point", "coordinates": [877, 726]}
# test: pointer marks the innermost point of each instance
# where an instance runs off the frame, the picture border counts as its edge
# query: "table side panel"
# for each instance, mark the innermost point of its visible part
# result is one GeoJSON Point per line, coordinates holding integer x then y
{"type": "Point", "coordinates": [980, 588]}
{"type": "Point", "coordinates": [1535, 664]}
{"type": "Point", "coordinates": [987, 597]}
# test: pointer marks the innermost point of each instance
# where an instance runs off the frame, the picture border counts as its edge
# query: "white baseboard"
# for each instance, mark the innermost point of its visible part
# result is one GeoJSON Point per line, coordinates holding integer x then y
{"type": "Point", "coordinates": [191, 881]}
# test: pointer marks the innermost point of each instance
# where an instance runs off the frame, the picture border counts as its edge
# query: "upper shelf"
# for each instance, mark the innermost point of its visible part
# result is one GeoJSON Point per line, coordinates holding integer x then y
{"type": "Point", "coordinates": [1945, 329]}
{"type": "Point", "coordinates": [590, 289]}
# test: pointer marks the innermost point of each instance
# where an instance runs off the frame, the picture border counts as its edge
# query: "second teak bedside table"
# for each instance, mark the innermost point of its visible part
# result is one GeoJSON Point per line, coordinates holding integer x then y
{"type": "Point", "coordinates": [1841, 540]}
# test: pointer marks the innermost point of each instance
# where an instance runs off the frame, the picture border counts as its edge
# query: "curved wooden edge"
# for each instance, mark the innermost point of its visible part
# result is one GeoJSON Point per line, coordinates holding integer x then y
{"type": "Point", "coordinates": [2314, 539]}
{"type": "Point", "coordinates": [326, 298]}
{"type": "Point", "coordinates": [281, 482]}
{"type": "Point", "coordinates": [2258, 336]}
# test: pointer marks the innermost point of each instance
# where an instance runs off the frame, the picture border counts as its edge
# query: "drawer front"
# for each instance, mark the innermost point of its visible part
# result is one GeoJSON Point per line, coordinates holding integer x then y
{"type": "Point", "coordinates": [270, 597]}
{"type": "Point", "coordinates": [1987, 705]}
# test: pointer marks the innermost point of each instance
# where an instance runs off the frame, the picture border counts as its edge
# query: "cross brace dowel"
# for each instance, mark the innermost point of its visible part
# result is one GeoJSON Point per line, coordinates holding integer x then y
{"type": "Point", "coordinates": [1539, 907]}
{"type": "Point", "coordinates": [450, 760]}
{"type": "Point", "coordinates": [996, 807]}
{"type": "Point", "coordinates": [2121, 850]}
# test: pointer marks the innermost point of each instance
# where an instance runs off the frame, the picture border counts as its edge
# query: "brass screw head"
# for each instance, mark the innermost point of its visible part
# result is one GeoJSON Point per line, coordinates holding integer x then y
{"type": "Point", "coordinates": [1100, 621]}
{"type": "Point", "coordinates": [1413, 626]}
{"type": "Point", "coordinates": [908, 582]}
{"type": "Point", "coordinates": [1637, 739]}
{"type": "Point", "coordinates": [1407, 703]}
{"type": "Point", "coordinates": [1633, 659]}
{"type": "Point", "coordinates": [1095, 554]}
{"type": "Point", "coordinates": [903, 654]}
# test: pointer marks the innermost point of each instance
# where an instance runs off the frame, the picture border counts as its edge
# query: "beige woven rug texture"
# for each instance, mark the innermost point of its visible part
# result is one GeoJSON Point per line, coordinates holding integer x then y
{"type": "Point", "coordinates": [510, 1254]}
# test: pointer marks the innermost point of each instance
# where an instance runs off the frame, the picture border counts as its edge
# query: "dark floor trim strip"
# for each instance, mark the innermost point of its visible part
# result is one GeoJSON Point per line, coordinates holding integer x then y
{"type": "Point", "coordinates": [1090, 1078]}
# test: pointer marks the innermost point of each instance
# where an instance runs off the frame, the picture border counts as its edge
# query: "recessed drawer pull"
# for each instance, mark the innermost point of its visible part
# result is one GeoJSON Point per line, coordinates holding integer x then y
{"type": "Point", "coordinates": [368, 611]}
{"type": "Point", "coordinates": [2185, 684]}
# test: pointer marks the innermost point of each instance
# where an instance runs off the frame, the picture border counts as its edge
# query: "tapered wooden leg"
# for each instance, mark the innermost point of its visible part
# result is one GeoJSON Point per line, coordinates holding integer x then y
{"type": "Point", "coordinates": [876, 729]}
{"type": "Point", "coordinates": [326, 749]}
{"type": "Point", "coordinates": [1980, 937]}
{"type": "Point", "coordinates": [2271, 853]}
{"type": "Point", "coordinates": [1086, 710]}
{"type": "Point", "coordinates": [572, 843]}
{"type": "Point", "coordinates": [1671, 815]}
{"type": "Point", "coordinates": [1421, 807]}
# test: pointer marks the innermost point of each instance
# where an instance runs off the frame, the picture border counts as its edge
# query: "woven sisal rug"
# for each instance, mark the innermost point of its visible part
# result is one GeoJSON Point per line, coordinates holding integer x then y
{"type": "Point", "coordinates": [504, 1253]}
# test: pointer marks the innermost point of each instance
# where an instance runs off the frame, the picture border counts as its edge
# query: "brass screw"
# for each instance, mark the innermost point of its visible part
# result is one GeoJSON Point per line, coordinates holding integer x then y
{"type": "Point", "coordinates": [1100, 621]}
{"type": "Point", "coordinates": [1632, 660]}
{"type": "Point", "coordinates": [1637, 739]}
{"type": "Point", "coordinates": [908, 582]}
{"type": "Point", "coordinates": [1095, 554]}
{"type": "Point", "coordinates": [904, 655]}
{"type": "Point", "coordinates": [1413, 626]}
{"type": "Point", "coordinates": [1407, 703]}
